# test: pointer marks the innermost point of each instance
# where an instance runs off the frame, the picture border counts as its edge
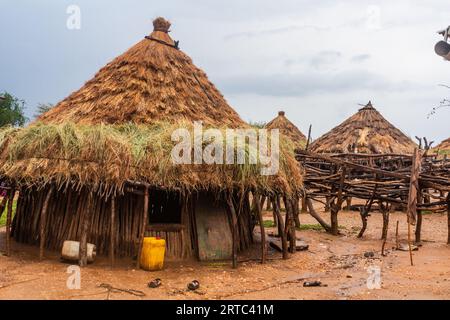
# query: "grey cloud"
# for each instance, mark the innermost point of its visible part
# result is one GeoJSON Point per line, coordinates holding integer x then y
{"type": "Point", "coordinates": [298, 85]}
{"type": "Point", "coordinates": [360, 58]}
{"type": "Point", "coordinates": [325, 58]}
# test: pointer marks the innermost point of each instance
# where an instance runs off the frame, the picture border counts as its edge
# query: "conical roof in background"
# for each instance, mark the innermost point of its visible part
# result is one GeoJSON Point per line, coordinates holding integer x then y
{"type": "Point", "coordinates": [444, 146]}
{"type": "Point", "coordinates": [367, 131]}
{"type": "Point", "coordinates": [288, 129]}
{"type": "Point", "coordinates": [152, 81]}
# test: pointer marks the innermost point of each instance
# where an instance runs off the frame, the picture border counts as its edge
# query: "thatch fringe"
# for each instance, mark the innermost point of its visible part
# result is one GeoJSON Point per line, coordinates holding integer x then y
{"type": "Point", "coordinates": [106, 157]}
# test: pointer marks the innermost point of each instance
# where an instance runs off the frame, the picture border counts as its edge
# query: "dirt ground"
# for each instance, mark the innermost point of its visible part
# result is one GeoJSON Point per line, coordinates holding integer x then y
{"type": "Point", "coordinates": [338, 262]}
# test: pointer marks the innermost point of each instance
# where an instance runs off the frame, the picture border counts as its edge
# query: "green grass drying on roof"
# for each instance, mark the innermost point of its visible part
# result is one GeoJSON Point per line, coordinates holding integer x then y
{"type": "Point", "coordinates": [109, 155]}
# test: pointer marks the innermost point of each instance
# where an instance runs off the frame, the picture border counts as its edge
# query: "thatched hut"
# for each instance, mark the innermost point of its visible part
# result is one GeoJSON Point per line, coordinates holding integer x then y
{"type": "Point", "coordinates": [288, 129]}
{"type": "Point", "coordinates": [97, 167]}
{"type": "Point", "coordinates": [367, 131]}
{"type": "Point", "coordinates": [443, 147]}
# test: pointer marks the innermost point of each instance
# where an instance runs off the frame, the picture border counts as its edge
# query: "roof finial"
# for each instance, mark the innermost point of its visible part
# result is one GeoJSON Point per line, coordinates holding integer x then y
{"type": "Point", "coordinates": [369, 105]}
{"type": "Point", "coordinates": [161, 24]}
{"type": "Point", "coordinates": [281, 113]}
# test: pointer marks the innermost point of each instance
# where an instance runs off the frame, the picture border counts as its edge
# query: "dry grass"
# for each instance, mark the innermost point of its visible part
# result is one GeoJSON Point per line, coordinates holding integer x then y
{"type": "Point", "coordinates": [365, 132]}
{"type": "Point", "coordinates": [151, 82]}
{"type": "Point", "coordinates": [107, 156]}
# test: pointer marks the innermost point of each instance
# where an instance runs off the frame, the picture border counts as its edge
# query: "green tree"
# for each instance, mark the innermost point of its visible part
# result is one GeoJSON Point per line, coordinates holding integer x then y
{"type": "Point", "coordinates": [43, 108]}
{"type": "Point", "coordinates": [11, 110]}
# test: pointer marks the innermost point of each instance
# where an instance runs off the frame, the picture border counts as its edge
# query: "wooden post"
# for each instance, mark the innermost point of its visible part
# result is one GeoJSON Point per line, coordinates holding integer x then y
{"type": "Point", "coordinates": [8, 221]}
{"type": "Point", "coordinates": [143, 225]}
{"type": "Point", "coordinates": [396, 237]}
{"type": "Point", "coordinates": [281, 230]}
{"type": "Point", "coordinates": [43, 223]}
{"type": "Point", "coordinates": [448, 218]}
{"type": "Point", "coordinates": [419, 218]}
{"type": "Point", "coordinates": [112, 236]}
{"type": "Point", "coordinates": [304, 205]}
{"type": "Point", "coordinates": [336, 207]}
{"type": "Point", "coordinates": [234, 226]}
{"type": "Point", "coordinates": [263, 232]}
{"type": "Point", "coordinates": [385, 213]}
{"type": "Point", "coordinates": [316, 216]}
{"type": "Point", "coordinates": [3, 203]}
{"type": "Point", "coordinates": [84, 230]}
{"type": "Point", "coordinates": [412, 197]}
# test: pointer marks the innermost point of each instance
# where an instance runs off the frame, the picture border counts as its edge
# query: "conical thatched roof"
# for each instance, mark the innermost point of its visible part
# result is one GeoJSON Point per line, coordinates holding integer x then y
{"type": "Point", "coordinates": [117, 129]}
{"type": "Point", "coordinates": [367, 131]}
{"type": "Point", "coordinates": [444, 147]}
{"type": "Point", "coordinates": [152, 81]}
{"type": "Point", "coordinates": [288, 129]}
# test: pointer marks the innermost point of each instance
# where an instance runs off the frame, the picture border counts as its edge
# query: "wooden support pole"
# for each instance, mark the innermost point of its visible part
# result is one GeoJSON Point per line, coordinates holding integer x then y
{"type": "Point", "coordinates": [397, 242]}
{"type": "Point", "coordinates": [43, 222]}
{"type": "Point", "coordinates": [304, 205]}
{"type": "Point", "coordinates": [385, 213]}
{"type": "Point", "coordinates": [281, 230]}
{"type": "Point", "coordinates": [112, 236]}
{"type": "Point", "coordinates": [316, 216]}
{"type": "Point", "coordinates": [8, 221]}
{"type": "Point", "coordinates": [234, 227]}
{"type": "Point", "coordinates": [143, 225]}
{"type": "Point", "coordinates": [448, 218]}
{"type": "Point", "coordinates": [263, 232]}
{"type": "Point", "coordinates": [291, 225]}
{"type": "Point", "coordinates": [413, 194]}
{"type": "Point", "coordinates": [3, 203]}
{"type": "Point", "coordinates": [336, 207]}
{"type": "Point", "coordinates": [84, 230]}
{"type": "Point", "coordinates": [418, 232]}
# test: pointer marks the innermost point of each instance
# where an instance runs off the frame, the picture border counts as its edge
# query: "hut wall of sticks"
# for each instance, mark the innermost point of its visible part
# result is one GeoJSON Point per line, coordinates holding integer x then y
{"type": "Point", "coordinates": [98, 166]}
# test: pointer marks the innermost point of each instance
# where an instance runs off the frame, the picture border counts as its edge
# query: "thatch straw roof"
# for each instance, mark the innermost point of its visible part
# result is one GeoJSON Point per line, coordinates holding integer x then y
{"type": "Point", "coordinates": [152, 81]}
{"type": "Point", "coordinates": [443, 147]}
{"type": "Point", "coordinates": [288, 129]}
{"type": "Point", "coordinates": [367, 131]}
{"type": "Point", "coordinates": [117, 128]}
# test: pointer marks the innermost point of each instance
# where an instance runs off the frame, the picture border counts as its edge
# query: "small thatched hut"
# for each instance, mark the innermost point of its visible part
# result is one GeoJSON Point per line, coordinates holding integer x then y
{"type": "Point", "coordinates": [367, 131]}
{"type": "Point", "coordinates": [288, 129]}
{"type": "Point", "coordinates": [443, 147]}
{"type": "Point", "coordinates": [98, 166]}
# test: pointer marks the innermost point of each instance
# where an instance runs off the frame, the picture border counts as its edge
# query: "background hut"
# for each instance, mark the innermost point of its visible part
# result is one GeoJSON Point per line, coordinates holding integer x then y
{"type": "Point", "coordinates": [443, 147]}
{"type": "Point", "coordinates": [367, 131]}
{"type": "Point", "coordinates": [97, 167]}
{"type": "Point", "coordinates": [288, 129]}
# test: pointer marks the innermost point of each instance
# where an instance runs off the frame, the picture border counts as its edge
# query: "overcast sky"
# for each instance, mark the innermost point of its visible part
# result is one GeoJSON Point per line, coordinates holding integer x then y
{"type": "Point", "coordinates": [316, 60]}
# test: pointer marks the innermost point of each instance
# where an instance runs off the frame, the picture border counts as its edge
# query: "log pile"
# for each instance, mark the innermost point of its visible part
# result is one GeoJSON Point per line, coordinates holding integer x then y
{"type": "Point", "coordinates": [382, 179]}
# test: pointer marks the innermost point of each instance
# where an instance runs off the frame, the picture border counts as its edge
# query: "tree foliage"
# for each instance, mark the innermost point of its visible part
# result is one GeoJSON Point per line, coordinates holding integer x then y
{"type": "Point", "coordinates": [11, 110]}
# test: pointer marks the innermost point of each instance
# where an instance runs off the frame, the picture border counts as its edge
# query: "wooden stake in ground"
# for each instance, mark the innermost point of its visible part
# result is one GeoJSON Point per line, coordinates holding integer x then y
{"type": "Point", "coordinates": [43, 223]}
{"type": "Point", "coordinates": [263, 231]}
{"type": "Point", "coordinates": [234, 227]}
{"type": "Point", "coordinates": [281, 229]}
{"type": "Point", "coordinates": [8, 221]}
{"type": "Point", "coordinates": [143, 226]}
{"type": "Point", "coordinates": [113, 230]}
{"type": "Point", "coordinates": [413, 192]}
{"type": "Point", "coordinates": [84, 230]}
{"type": "Point", "coordinates": [396, 237]}
{"type": "Point", "coordinates": [3, 204]}
{"type": "Point", "coordinates": [448, 218]}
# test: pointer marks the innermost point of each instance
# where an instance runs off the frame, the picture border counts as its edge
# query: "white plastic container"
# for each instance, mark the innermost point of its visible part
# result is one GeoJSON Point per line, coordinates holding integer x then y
{"type": "Point", "coordinates": [71, 251]}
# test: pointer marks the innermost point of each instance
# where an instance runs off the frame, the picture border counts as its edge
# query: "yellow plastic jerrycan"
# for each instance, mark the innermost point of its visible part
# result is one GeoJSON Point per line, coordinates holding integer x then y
{"type": "Point", "coordinates": [152, 255]}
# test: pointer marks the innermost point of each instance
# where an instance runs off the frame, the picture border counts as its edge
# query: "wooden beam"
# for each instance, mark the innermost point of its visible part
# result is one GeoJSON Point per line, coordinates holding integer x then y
{"type": "Point", "coordinates": [143, 225]}
{"type": "Point", "coordinates": [262, 230]}
{"type": "Point", "coordinates": [84, 230]}
{"type": "Point", "coordinates": [8, 221]}
{"type": "Point", "coordinates": [233, 227]}
{"type": "Point", "coordinates": [112, 236]}
{"type": "Point", "coordinates": [43, 222]}
{"type": "Point", "coordinates": [316, 216]}
{"type": "Point", "coordinates": [281, 229]}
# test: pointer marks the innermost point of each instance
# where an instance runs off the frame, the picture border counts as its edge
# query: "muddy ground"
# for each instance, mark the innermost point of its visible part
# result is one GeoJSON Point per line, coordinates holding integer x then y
{"type": "Point", "coordinates": [338, 262]}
